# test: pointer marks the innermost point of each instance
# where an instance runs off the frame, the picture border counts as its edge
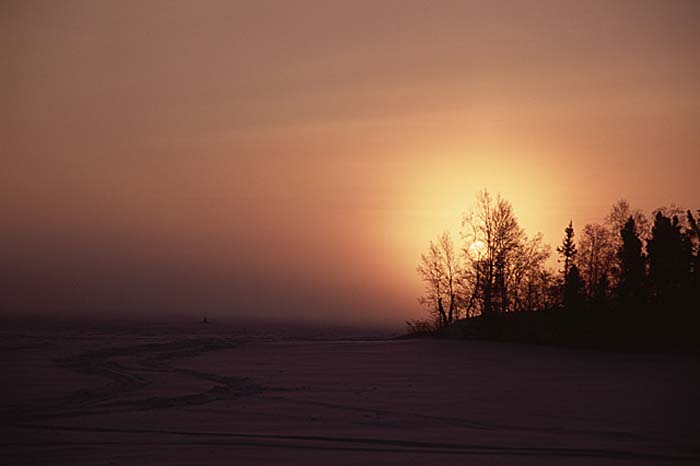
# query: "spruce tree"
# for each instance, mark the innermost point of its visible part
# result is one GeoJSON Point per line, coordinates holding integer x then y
{"type": "Point", "coordinates": [567, 250]}
{"type": "Point", "coordinates": [573, 289]}
{"type": "Point", "coordinates": [669, 257]}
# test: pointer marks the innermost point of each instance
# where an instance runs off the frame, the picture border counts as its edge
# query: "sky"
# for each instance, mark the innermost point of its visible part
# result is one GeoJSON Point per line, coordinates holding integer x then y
{"type": "Point", "coordinates": [291, 160]}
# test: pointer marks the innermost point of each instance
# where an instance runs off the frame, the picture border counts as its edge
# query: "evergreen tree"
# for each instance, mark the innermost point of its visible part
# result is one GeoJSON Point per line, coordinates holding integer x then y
{"type": "Point", "coordinates": [669, 257]}
{"type": "Point", "coordinates": [567, 250]}
{"type": "Point", "coordinates": [573, 288]}
{"type": "Point", "coordinates": [632, 265]}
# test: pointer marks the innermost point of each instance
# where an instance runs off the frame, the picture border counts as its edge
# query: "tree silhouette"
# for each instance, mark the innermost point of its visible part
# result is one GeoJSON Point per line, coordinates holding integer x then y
{"type": "Point", "coordinates": [621, 265]}
{"type": "Point", "coordinates": [645, 270]}
{"type": "Point", "coordinates": [432, 272]}
{"type": "Point", "coordinates": [616, 219]}
{"type": "Point", "coordinates": [670, 257]}
{"type": "Point", "coordinates": [527, 281]}
{"type": "Point", "coordinates": [440, 269]}
{"type": "Point", "coordinates": [632, 267]}
{"type": "Point", "coordinates": [596, 257]}
{"type": "Point", "coordinates": [602, 289]}
{"type": "Point", "coordinates": [567, 251]}
{"type": "Point", "coordinates": [573, 288]}
{"type": "Point", "coordinates": [693, 234]}
{"type": "Point", "coordinates": [502, 244]}
{"type": "Point", "coordinates": [452, 271]}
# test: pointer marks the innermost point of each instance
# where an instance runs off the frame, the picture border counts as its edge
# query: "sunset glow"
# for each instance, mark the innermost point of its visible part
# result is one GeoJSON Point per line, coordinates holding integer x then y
{"type": "Point", "coordinates": [201, 160]}
{"type": "Point", "coordinates": [476, 249]}
{"type": "Point", "coordinates": [323, 232]}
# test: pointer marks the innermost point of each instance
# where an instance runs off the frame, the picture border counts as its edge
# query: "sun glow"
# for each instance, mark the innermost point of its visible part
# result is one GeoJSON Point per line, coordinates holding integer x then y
{"type": "Point", "coordinates": [476, 249]}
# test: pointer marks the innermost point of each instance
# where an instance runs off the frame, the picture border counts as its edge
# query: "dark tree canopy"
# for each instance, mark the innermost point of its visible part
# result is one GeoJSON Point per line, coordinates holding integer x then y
{"type": "Point", "coordinates": [693, 235]}
{"type": "Point", "coordinates": [632, 267]}
{"type": "Point", "coordinates": [596, 258]}
{"type": "Point", "coordinates": [573, 288]}
{"type": "Point", "coordinates": [646, 277]}
{"type": "Point", "coordinates": [497, 268]}
{"type": "Point", "coordinates": [670, 258]}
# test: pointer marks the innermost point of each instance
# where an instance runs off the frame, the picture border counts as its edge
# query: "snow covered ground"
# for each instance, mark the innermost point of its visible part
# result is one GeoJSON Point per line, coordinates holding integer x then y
{"type": "Point", "coordinates": [208, 394]}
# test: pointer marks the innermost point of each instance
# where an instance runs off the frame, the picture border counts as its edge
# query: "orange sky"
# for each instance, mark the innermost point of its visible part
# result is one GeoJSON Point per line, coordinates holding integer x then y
{"type": "Point", "coordinates": [293, 158]}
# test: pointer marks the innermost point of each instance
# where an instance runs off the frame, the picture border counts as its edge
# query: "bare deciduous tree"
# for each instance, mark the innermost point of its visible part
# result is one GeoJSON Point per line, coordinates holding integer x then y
{"type": "Point", "coordinates": [596, 257]}
{"type": "Point", "coordinates": [616, 219]}
{"type": "Point", "coordinates": [498, 255]}
{"type": "Point", "coordinates": [440, 269]}
{"type": "Point", "coordinates": [499, 268]}
{"type": "Point", "coordinates": [525, 279]}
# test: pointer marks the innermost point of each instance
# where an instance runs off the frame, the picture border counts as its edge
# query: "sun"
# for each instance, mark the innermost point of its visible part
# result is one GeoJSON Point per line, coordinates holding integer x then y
{"type": "Point", "coordinates": [476, 249]}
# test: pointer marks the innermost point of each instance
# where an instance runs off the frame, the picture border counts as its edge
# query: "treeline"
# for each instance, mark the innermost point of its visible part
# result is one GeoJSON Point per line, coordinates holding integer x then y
{"type": "Point", "coordinates": [636, 269]}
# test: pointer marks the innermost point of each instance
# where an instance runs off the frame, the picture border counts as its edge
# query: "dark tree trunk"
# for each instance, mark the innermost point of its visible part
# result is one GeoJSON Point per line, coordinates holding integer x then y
{"type": "Point", "coordinates": [441, 310]}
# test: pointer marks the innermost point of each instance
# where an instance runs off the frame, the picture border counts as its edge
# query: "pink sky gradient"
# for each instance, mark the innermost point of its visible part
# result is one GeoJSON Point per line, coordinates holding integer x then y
{"type": "Point", "coordinates": [292, 159]}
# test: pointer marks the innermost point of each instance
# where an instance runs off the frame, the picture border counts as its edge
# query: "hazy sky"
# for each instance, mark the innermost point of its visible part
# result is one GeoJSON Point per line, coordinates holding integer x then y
{"type": "Point", "coordinates": [289, 158]}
